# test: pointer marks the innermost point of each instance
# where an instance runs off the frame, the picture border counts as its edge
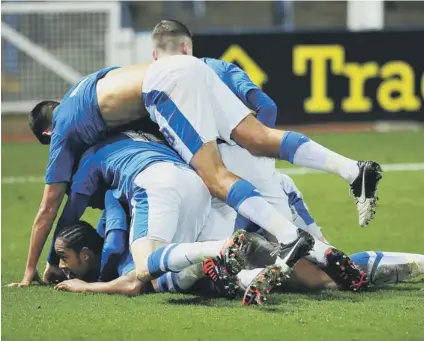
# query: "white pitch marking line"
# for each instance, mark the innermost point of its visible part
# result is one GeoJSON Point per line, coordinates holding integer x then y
{"type": "Point", "coordinates": [394, 167]}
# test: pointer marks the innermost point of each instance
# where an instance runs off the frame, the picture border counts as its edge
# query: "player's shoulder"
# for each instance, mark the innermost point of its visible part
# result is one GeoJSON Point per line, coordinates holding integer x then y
{"type": "Point", "coordinates": [75, 92]}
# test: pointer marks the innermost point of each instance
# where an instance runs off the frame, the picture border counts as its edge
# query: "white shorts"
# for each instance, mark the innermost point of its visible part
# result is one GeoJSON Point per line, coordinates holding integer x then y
{"type": "Point", "coordinates": [190, 103]}
{"type": "Point", "coordinates": [170, 204]}
{"type": "Point", "coordinates": [220, 222]}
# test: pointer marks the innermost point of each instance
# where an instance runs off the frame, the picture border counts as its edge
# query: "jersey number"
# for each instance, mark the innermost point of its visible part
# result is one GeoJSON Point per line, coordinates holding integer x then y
{"type": "Point", "coordinates": [168, 136]}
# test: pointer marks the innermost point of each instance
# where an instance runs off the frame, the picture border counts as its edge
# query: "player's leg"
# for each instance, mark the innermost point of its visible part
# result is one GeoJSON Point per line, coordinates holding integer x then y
{"type": "Point", "coordinates": [179, 281]}
{"type": "Point", "coordinates": [219, 225]}
{"type": "Point", "coordinates": [177, 96]}
{"type": "Point", "coordinates": [298, 149]}
{"type": "Point", "coordinates": [389, 267]}
{"type": "Point", "coordinates": [280, 191]}
{"type": "Point", "coordinates": [301, 216]}
{"type": "Point", "coordinates": [159, 202]}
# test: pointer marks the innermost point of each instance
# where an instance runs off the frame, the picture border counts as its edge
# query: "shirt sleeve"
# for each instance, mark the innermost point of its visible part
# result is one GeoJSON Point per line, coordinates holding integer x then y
{"type": "Point", "coordinates": [116, 227]}
{"type": "Point", "coordinates": [116, 217]}
{"type": "Point", "coordinates": [264, 106]}
{"type": "Point", "coordinates": [251, 95]}
{"type": "Point", "coordinates": [239, 82]}
{"type": "Point", "coordinates": [113, 248]}
{"type": "Point", "coordinates": [87, 178]}
{"type": "Point", "coordinates": [101, 225]}
{"type": "Point", "coordinates": [61, 160]}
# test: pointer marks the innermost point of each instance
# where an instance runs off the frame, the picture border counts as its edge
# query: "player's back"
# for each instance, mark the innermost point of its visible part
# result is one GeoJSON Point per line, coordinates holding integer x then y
{"type": "Point", "coordinates": [119, 159]}
{"type": "Point", "coordinates": [77, 117]}
{"type": "Point", "coordinates": [119, 95]}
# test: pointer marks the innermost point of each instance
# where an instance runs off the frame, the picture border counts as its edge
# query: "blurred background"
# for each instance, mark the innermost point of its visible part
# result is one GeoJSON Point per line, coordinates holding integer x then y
{"type": "Point", "coordinates": [321, 61]}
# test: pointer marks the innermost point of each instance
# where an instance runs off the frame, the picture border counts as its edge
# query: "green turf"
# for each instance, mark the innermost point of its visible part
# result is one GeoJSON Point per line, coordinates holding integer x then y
{"type": "Point", "coordinates": [395, 313]}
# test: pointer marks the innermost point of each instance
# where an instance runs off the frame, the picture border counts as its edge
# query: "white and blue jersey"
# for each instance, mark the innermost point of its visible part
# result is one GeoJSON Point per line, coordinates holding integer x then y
{"type": "Point", "coordinates": [197, 101]}
{"type": "Point", "coordinates": [190, 103]}
{"type": "Point", "coordinates": [77, 124]}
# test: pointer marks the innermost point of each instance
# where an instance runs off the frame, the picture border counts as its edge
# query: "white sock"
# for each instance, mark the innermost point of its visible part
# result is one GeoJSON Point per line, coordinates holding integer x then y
{"type": "Point", "coordinates": [180, 281]}
{"type": "Point", "coordinates": [317, 254]}
{"type": "Point", "coordinates": [389, 267]}
{"type": "Point", "coordinates": [259, 211]}
{"type": "Point", "coordinates": [313, 155]}
{"type": "Point", "coordinates": [186, 254]}
{"type": "Point", "coordinates": [245, 277]}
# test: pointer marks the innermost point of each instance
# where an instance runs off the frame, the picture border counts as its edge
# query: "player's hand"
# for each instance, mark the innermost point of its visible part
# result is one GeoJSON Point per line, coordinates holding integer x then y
{"type": "Point", "coordinates": [53, 274]}
{"type": "Point", "coordinates": [72, 285]}
{"type": "Point", "coordinates": [30, 276]}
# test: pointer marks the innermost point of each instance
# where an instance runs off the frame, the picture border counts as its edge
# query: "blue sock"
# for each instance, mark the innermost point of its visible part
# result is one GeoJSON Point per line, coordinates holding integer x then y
{"type": "Point", "coordinates": [289, 145]}
{"type": "Point", "coordinates": [157, 262]}
{"type": "Point", "coordinates": [248, 202]}
{"type": "Point", "coordinates": [239, 192]}
{"type": "Point", "coordinates": [169, 283]}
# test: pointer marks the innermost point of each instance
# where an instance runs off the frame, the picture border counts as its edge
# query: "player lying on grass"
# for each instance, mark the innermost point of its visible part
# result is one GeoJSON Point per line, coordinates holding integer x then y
{"type": "Point", "coordinates": [80, 248]}
{"type": "Point", "coordinates": [106, 99]}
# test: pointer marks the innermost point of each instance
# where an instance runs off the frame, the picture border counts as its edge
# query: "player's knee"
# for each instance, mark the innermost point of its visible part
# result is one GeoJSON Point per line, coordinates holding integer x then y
{"type": "Point", "coordinates": [141, 249]}
{"type": "Point", "coordinates": [142, 272]}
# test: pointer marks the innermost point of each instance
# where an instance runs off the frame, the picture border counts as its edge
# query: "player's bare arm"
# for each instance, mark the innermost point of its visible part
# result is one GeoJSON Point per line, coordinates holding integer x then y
{"type": "Point", "coordinates": [124, 285]}
{"type": "Point", "coordinates": [50, 203]}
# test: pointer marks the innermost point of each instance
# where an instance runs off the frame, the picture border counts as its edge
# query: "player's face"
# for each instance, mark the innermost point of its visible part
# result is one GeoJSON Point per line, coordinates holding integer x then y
{"type": "Point", "coordinates": [76, 263]}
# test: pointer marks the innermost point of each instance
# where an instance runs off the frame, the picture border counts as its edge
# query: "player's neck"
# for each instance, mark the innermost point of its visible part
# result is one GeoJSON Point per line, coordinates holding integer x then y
{"type": "Point", "coordinates": [169, 54]}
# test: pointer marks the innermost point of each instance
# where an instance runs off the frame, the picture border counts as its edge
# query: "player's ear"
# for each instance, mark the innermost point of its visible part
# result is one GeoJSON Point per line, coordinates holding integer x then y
{"type": "Point", "coordinates": [47, 133]}
{"type": "Point", "coordinates": [187, 49]}
{"type": "Point", "coordinates": [155, 55]}
{"type": "Point", "coordinates": [85, 253]}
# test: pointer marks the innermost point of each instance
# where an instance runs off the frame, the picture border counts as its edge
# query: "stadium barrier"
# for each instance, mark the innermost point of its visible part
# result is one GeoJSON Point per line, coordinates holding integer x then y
{"type": "Point", "coordinates": [321, 77]}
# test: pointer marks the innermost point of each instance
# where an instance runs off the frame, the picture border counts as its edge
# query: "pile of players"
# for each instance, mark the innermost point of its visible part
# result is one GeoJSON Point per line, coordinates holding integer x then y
{"type": "Point", "coordinates": [185, 174]}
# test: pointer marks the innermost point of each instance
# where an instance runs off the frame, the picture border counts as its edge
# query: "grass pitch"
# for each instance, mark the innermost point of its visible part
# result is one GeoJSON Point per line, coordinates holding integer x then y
{"type": "Point", "coordinates": [390, 313]}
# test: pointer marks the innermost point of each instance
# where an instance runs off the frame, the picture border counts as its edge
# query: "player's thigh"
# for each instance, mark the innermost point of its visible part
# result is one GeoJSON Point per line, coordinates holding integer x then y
{"type": "Point", "coordinates": [209, 166]}
{"type": "Point", "coordinates": [257, 138]}
{"type": "Point", "coordinates": [177, 96]}
{"type": "Point", "coordinates": [194, 207]}
{"type": "Point", "coordinates": [155, 206]}
{"type": "Point", "coordinates": [245, 165]}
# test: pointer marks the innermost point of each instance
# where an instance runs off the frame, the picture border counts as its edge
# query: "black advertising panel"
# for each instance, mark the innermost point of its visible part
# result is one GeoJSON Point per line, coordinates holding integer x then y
{"type": "Point", "coordinates": [330, 76]}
